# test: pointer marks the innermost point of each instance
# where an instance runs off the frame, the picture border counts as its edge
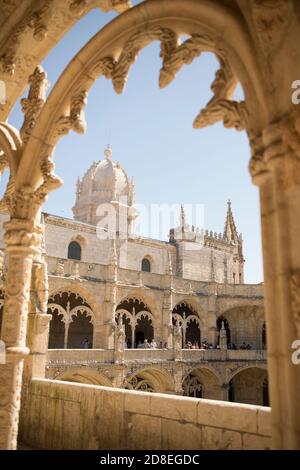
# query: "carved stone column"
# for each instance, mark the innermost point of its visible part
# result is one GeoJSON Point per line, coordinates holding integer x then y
{"type": "Point", "coordinates": [22, 239]}
{"type": "Point", "coordinates": [167, 326]}
{"type": "Point", "coordinates": [224, 389]}
{"type": "Point", "coordinates": [38, 321]}
{"type": "Point", "coordinates": [275, 168]}
{"type": "Point", "coordinates": [211, 334]}
{"type": "Point", "coordinates": [120, 337]}
{"type": "Point", "coordinates": [177, 343]}
{"type": "Point", "coordinates": [106, 330]}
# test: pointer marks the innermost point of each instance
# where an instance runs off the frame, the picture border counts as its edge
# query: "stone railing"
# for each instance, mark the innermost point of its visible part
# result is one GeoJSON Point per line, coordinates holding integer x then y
{"type": "Point", "coordinates": [73, 268]}
{"type": "Point", "coordinates": [244, 290]}
{"type": "Point", "coordinates": [132, 277]}
{"type": "Point", "coordinates": [65, 415]}
{"type": "Point", "coordinates": [90, 356]}
{"type": "Point", "coordinates": [69, 356]}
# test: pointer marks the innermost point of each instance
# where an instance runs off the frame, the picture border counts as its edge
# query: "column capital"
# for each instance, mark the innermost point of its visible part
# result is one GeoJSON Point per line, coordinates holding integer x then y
{"type": "Point", "coordinates": [277, 149]}
{"type": "Point", "coordinates": [23, 234]}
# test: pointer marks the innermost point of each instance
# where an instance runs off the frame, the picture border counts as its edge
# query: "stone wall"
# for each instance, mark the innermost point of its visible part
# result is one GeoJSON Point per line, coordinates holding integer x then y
{"type": "Point", "coordinates": [63, 415]}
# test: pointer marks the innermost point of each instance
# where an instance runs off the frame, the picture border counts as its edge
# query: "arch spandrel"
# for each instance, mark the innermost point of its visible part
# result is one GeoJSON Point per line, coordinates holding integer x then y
{"type": "Point", "coordinates": [63, 110]}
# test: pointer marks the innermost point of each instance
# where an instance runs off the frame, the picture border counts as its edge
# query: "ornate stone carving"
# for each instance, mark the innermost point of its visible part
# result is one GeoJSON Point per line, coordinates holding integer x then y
{"type": "Point", "coordinates": [177, 342]}
{"type": "Point", "coordinates": [22, 238]}
{"type": "Point", "coordinates": [103, 67]}
{"type": "Point", "coordinates": [77, 6]}
{"type": "Point", "coordinates": [183, 54]}
{"type": "Point", "coordinates": [295, 291]}
{"type": "Point", "coordinates": [290, 149]}
{"type": "Point", "coordinates": [278, 147]}
{"type": "Point", "coordinates": [32, 105]}
{"type": "Point", "coordinates": [10, 151]}
{"type": "Point", "coordinates": [169, 42]}
{"type": "Point", "coordinates": [271, 18]}
{"type": "Point", "coordinates": [221, 107]}
{"type": "Point", "coordinates": [3, 162]}
{"type": "Point", "coordinates": [257, 165]}
{"type": "Point", "coordinates": [38, 21]}
{"type": "Point", "coordinates": [76, 119]}
{"type": "Point", "coordinates": [50, 180]}
{"type": "Point", "coordinates": [120, 338]}
{"type": "Point", "coordinates": [121, 5]}
{"type": "Point", "coordinates": [41, 287]}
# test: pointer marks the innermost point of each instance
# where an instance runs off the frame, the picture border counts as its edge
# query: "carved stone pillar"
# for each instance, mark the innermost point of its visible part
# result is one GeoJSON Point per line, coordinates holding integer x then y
{"type": "Point", "coordinates": [177, 343]}
{"type": "Point", "coordinates": [275, 168]}
{"type": "Point", "coordinates": [23, 239]}
{"type": "Point", "coordinates": [178, 378]}
{"type": "Point", "coordinates": [224, 389]}
{"type": "Point", "coordinates": [105, 333]}
{"type": "Point", "coordinates": [120, 337]}
{"type": "Point", "coordinates": [211, 334]}
{"type": "Point", "coordinates": [38, 321]}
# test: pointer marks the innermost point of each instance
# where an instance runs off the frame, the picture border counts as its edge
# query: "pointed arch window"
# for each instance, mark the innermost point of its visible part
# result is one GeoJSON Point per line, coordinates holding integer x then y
{"type": "Point", "coordinates": [146, 265]}
{"type": "Point", "coordinates": [74, 251]}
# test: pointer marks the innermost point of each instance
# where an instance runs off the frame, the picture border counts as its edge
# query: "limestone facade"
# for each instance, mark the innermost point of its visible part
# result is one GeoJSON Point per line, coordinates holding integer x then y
{"type": "Point", "coordinates": [194, 280]}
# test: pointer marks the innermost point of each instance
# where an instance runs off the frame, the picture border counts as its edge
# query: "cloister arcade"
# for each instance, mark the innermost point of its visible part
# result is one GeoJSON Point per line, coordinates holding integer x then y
{"type": "Point", "coordinates": [254, 42]}
{"type": "Point", "coordinates": [244, 326]}
{"type": "Point", "coordinates": [138, 320]}
{"type": "Point", "coordinates": [249, 385]}
{"type": "Point", "coordinates": [188, 319]}
{"type": "Point", "coordinates": [202, 382]}
{"type": "Point", "coordinates": [72, 321]}
{"type": "Point", "coordinates": [150, 380]}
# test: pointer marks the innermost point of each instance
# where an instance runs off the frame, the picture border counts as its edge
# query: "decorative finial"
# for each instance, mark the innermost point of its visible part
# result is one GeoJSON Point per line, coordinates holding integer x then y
{"type": "Point", "coordinates": [229, 201]}
{"type": "Point", "coordinates": [108, 152]}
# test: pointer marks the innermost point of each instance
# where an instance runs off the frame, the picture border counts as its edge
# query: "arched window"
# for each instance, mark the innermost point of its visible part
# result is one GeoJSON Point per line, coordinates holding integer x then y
{"type": "Point", "coordinates": [74, 251]}
{"type": "Point", "coordinates": [146, 265]}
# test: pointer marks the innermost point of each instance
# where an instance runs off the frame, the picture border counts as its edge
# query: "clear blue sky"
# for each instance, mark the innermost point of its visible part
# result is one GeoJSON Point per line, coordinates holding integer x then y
{"type": "Point", "coordinates": [151, 135]}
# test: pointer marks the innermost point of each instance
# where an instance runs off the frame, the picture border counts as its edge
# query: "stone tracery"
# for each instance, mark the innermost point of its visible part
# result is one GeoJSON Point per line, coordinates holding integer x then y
{"type": "Point", "coordinates": [74, 312]}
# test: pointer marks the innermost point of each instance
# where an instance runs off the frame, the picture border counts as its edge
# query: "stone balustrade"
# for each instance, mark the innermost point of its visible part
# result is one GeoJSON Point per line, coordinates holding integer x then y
{"type": "Point", "coordinates": [68, 356]}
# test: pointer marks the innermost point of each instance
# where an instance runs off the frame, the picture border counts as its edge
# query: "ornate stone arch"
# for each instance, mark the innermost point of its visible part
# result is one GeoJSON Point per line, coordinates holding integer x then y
{"type": "Point", "coordinates": [112, 51]}
{"type": "Point", "coordinates": [249, 385]}
{"type": "Point", "coordinates": [143, 297]}
{"type": "Point", "coordinates": [86, 376]}
{"type": "Point", "coordinates": [243, 368]}
{"type": "Point", "coordinates": [271, 125]}
{"type": "Point", "coordinates": [80, 291]}
{"type": "Point", "coordinates": [133, 315]}
{"type": "Point", "coordinates": [207, 367]}
{"type": "Point", "coordinates": [245, 320]}
{"type": "Point", "coordinates": [42, 26]}
{"type": "Point", "coordinates": [194, 305]}
{"type": "Point", "coordinates": [208, 380]}
{"type": "Point", "coordinates": [190, 321]}
{"type": "Point", "coordinates": [78, 319]}
{"type": "Point", "coordinates": [159, 380]}
{"type": "Point", "coordinates": [82, 309]}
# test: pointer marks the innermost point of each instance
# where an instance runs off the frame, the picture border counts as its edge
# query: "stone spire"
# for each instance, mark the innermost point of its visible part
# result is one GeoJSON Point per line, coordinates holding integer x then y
{"type": "Point", "coordinates": [230, 231]}
{"type": "Point", "coordinates": [182, 217]}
